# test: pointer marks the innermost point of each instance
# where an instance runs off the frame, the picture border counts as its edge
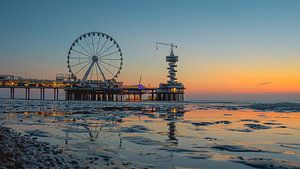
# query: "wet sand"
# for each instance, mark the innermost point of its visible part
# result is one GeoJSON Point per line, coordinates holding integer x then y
{"type": "Point", "coordinates": [163, 135]}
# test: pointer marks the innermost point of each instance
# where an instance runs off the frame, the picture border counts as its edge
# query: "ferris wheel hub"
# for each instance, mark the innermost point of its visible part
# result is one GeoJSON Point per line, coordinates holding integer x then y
{"type": "Point", "coordinates": [95, 58]}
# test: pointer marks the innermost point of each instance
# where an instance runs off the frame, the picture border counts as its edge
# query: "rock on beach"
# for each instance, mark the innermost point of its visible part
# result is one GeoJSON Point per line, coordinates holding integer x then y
{"type": "Point", "coordinates": [17, 151]}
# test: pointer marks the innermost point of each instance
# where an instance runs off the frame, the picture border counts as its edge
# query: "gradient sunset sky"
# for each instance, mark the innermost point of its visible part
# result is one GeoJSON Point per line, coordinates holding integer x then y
{"type": "Point", "coordinates": [228, 49]}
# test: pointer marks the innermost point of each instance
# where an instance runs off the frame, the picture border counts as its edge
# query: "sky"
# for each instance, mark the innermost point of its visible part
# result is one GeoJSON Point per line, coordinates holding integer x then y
{"type": "Point", "coordinates": [228, 49]}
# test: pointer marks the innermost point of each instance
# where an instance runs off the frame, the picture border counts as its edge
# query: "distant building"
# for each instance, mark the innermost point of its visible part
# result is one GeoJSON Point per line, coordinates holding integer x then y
{"type": "Point", "coordinates": [9, 77]}
{"type": "Point", "coordinates": [60, 77]}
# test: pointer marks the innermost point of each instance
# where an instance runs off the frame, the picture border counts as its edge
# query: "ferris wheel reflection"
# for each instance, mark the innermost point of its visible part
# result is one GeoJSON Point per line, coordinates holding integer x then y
{"type": "Point", "coordinates": [91, 130]}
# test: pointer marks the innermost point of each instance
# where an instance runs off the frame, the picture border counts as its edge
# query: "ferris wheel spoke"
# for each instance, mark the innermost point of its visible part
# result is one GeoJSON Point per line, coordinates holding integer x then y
{"type": "Point", "coordinates": [109, 54]}
{"type": "Point", "coordinates": [82, 68]}
{"type": "Point", "coordinates": [87, 73]}
{"type": "Point", "coordinates": [110, 58]}
{"type": "Point", "coordinates": [98, 44]}
{"type": "Point", "coordinates": [97, 73]}
{"type": "Point", "coordinates": [93, 44]}
{"type": "Point", "coordinates": [88, 46]}
{"type": "Point", "coordinates": [80, 53]}
{"type": "Point", "coordinates": [109, 64]}
{"type": "Point", "coordinates": [107, 49]}
{"type": "Point", "coordinates": [85, 49]}
{"type": "Point", "coordinates": [101, 71]}
{"type": "Point", "coordinates": [94, 71]}
{"type": "Point", "coordinates": [91, 76]}
{"type": "Point", "coordinates": [78, 58]}
{"type": "Point", "coordinates": [102, 47]}
{"type": "Point", "coordinates": [107, 69]}
{"type": "Point", "coordinates": [79, 63]}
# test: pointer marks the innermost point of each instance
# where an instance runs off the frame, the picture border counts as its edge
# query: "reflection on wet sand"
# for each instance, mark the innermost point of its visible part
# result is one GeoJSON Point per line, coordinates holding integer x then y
{"type": "Point", "coordinates": [172, 116]}
{"type": "Point", "coordinates": [162, 135]}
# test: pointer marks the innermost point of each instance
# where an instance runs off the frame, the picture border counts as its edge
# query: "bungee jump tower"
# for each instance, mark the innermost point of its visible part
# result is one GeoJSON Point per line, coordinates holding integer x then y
{"type": "Point", "coordinates": [172, 90]}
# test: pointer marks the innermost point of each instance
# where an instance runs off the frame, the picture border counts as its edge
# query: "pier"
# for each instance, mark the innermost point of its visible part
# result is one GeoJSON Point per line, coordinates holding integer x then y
{"type": "Point", "coordinates": [87, 93]}
{"type": "Point", "coordinates": [28, 90]}
{"type": "Point", "coordinates": [94, 62]}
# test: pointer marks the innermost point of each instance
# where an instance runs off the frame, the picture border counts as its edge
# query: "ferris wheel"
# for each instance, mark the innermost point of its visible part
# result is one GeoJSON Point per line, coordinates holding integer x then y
{"type": "Point", "coordinates": [94, 57]}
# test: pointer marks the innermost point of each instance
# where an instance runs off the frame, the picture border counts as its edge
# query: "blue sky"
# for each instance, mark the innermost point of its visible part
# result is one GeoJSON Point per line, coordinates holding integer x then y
{"type": "Point", "coordinates": [214, 36]}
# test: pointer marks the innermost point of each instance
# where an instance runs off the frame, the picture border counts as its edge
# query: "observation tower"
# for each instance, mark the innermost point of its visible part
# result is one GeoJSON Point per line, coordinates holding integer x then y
{"type": "Point", "coordinates": [172, 90]}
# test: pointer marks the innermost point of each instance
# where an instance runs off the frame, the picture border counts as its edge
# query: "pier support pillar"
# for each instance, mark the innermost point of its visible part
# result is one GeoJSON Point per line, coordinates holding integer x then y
{"type": "Point", "coordinates": [152, 95]}
{"type": "Point", "coordinates": [27, 93]}
{"type": "Point", "coordinates": [42, 93]}
{"type": "Point", "coordinates": [93, 96]}
{"type": "Point", "coordinates": [12, 93]}
{"type": "Point", "coordinates": [28, 97]}
{"type": "Point", "coordinates": [103, 97]}
{"type": "Point", "coordinates": [55, 93]}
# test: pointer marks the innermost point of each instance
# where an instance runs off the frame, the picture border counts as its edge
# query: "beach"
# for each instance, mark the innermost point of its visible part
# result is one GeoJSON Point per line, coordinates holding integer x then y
{"type": "Point", "coordinates": [70, 134]}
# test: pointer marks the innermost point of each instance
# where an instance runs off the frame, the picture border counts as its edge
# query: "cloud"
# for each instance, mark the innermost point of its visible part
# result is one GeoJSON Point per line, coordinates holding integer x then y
{"type": "Point", "coordinates": [263, 83]}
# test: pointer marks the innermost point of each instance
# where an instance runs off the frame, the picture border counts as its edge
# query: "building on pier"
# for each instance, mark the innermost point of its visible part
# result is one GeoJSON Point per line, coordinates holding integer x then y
{"type": "Point", "coordinates": [172, 90]}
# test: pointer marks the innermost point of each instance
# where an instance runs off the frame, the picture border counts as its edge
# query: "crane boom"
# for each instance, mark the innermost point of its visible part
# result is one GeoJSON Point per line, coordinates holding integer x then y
{"type": "Point", "coordinates": [167, 44]}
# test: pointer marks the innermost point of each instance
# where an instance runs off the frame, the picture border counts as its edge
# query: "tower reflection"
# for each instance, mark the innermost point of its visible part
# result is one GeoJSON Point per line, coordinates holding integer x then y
{"type": "Point", "coordinates": [172, 116]}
